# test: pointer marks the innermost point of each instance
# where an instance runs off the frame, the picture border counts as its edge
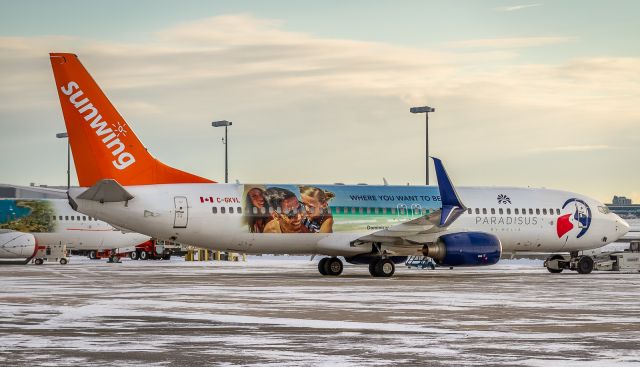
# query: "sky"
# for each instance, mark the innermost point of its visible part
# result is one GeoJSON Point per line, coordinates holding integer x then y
{"type": "Point", "coordinates": [527, 93]}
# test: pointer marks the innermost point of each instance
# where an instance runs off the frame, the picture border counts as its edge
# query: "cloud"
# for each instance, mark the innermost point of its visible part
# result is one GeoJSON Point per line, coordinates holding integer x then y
{"type": "Point", "coordinates": [515, 7]}
{"type": "Point", "coordinates": [315, 109]}
{"type": "Point", "coordinates": [514, 42]}
{"type": "Point", "coordinates": [575, 148]}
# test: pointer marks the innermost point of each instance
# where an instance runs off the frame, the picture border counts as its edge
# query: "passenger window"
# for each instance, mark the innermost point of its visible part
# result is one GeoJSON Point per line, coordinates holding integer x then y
{"type": "Point", "coordinates": [54, 217]}
{"type": "Point", "coordinates": [515, 211]}
{"type": "Point", "coordinates": [477, 210]}
{"type": "Point", "coordinates": [509, 211]}
{"type": "Point", "coordinates": [66, 217]}
{"type": "Point", "coordinates": [255, 210]}
{"type": "Point", "coordinates": [84, 218]}
{"type": "Point", "coordinates": [558, 211]}
{"type": "Point", "coordinates": [230, 210]}
{"type": "Point", "coordinates": [493, 211]}
{"type": "Point", "coordinates": [360, 210]}
{"type": "Point", "coordinates": [353, 210]}
{"type": "Point", "coordinates": [484, 210]}
{"type": "Point", "coordinates": [368, 210]}
{"type": "Point", "coordinates": [544, 211]}
{"type": "Point", "coordinates": [215, 210]}
{"type": "Point", "coordinates": [222, 209]}
{"type": "Point", "coordinates": [524, 211]}
{"type": "Point", "coordinates": [393, 210]}
{"type": "Point", "coordinates": [500, 211]}
{"type": "Point", "coordinates": [470, 211]}
{"type": "Point", "coordinates": [402, 211]}
{"type": "Point", "coordinates": [384, 211]}
{"type": "Point", "coordinates": [377, 210]}
{"type": "Point", "coordinates": [239, 210]}
{"type": "Point", "coordinates": [538, 211]}
{"type": "Point", "coordinates": [530, 211]}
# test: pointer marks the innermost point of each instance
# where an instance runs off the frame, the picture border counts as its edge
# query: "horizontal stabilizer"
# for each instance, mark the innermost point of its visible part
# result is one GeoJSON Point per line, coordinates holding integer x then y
{"type": "Point", "coordinates": [106, 191]}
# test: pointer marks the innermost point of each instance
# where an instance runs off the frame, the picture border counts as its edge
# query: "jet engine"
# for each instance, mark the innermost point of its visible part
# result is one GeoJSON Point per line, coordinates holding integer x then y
{"type": "Point", "coordinates": [16, 245]}
{"type": "Point", "coordinates": [464, 249]}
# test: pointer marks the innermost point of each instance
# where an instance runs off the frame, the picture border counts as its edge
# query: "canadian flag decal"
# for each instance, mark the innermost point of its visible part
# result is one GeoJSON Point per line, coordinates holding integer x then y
{"type": "Point", "coordinates": [206, 199]}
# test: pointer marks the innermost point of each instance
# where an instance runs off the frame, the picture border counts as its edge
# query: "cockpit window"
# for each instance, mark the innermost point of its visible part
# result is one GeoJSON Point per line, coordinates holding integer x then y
{"type": "Point", "coordinates": [603, 210]}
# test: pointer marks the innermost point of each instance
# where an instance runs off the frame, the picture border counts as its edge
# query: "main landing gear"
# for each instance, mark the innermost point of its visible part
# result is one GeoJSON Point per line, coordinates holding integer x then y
{"type": "Point", "coordinates": [378, 267]}
{"type": "Point", "coordinates": [382, 268]}
{"type": "Point", "coordinates": [330, 266]}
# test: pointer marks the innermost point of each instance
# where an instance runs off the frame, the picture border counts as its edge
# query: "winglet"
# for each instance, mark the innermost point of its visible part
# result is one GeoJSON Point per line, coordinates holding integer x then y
{"type": "Point", "coordinates": [452, 207]}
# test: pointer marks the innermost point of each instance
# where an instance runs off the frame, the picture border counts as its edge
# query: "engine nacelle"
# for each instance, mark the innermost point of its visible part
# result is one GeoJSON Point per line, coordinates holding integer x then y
{"type": "Point", "coordinates": [16, 245]}
{"type": "Point", "coordinates": [465, 249]}
{"type": "Point", "coordinates": [365, 259]}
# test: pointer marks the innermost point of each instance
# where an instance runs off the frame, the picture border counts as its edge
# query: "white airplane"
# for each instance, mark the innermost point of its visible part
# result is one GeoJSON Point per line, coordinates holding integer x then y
{"type": "Point", "coordinates": [375, 225]}
{"type": "Point", "coordinates": [27, 225]}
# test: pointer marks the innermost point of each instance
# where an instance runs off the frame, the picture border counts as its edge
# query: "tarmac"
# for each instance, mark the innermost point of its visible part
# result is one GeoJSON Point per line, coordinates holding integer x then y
{"type": "Point", "coordinates": [281, 312]}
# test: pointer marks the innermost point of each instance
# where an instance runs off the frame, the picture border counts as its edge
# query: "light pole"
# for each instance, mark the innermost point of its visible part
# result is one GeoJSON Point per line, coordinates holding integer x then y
{"type": "Point", "coordinates": [225, 141]}
{"type": "Point", "coordinates": [63, 136]}
{"type": "Point", "coordinates": [425, 110]}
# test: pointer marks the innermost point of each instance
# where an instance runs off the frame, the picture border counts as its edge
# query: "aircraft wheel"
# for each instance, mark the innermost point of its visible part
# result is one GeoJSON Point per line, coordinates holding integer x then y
{"type": "Point", "coordinates": [333, 266]}
{"type": "Point", "coordinates": [555, 271]}
{"type": "Point", "coordinates": [384, 268]}
{"type": "Point", "coordinates": [321, 263]}
{"type": "Point", "coordinates": [63, 261]}
{"type": "Point", "coordinates": [372, 267]}
{"type": "Point", "coordinates": [38, 261]}
{"type": "Point", "coordinates": [144, 255]}
{"type": "Point", "coordinates": [585, 265]}
{"type": "Point", "coordinates": [134, 255]}
{"type": "Point", "coordinates": [166, 257]}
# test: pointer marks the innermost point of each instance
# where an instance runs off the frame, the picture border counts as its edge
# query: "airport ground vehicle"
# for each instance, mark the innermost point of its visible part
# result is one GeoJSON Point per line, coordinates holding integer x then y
{"type": "Point", "coordinates": [420, 262]}
{"type": "Point", "coordinates": [626, 261]}
{"type": "Point", "coordinates": [56, 253]}
{"type": "Point", "coordinates": [148, 250]}
{"type": "Point", "coordinates": [151, 250]}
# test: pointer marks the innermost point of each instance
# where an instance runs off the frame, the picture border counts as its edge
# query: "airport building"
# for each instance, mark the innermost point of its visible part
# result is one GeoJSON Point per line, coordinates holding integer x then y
{"type": "Point", "coordinates": [624, 207]}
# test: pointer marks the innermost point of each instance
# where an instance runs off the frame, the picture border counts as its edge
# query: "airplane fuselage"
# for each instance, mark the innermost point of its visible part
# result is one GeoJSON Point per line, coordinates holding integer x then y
{"type": "Point", "coordinates": [223, 216]}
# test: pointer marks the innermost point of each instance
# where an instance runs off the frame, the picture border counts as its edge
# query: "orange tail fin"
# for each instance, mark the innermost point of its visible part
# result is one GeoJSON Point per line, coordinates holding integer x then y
{"type": "Point", "coordinates": [103, 145]}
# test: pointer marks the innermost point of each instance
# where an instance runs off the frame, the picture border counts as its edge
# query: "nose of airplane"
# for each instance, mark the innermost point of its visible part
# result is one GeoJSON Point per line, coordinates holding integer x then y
{"type": "Point", "coordinates": [622, 227]}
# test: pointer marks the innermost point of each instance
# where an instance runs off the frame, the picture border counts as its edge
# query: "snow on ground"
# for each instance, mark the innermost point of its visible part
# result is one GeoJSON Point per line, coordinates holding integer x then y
{"type": "Point", "coordinates": [279, 311]}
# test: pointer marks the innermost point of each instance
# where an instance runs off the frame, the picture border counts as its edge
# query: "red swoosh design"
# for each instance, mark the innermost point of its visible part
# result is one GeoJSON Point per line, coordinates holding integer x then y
{"type": "Point", "coordinates": [564, 225]}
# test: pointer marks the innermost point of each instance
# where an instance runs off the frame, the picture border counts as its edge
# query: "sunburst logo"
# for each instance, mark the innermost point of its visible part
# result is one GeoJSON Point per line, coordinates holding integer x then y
{"type": "Point", "coordinates": [119, 129]}
{"type": "Point", "coordinates": [503, 199]}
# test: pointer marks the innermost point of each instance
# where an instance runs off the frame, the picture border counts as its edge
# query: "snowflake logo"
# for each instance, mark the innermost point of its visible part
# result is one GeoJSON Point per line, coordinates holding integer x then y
{"type": "Point", "coordinates": [503, 199]}
{"type": "Point", "coordinates": [119, 129]}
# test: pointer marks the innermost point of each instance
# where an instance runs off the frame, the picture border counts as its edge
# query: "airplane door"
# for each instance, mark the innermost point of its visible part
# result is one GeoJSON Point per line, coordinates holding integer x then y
{"type": "Point", "coordinates": [181, 213]}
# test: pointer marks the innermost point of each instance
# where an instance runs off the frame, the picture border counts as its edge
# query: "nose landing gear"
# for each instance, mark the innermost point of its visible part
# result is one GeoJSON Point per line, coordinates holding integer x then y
{"type": "Point", "coordinates": [583, 264]}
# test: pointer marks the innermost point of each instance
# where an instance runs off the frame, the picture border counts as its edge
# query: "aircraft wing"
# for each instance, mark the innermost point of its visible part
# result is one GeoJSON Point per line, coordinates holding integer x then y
{"type": "Point", "coordinates": [426, 228]}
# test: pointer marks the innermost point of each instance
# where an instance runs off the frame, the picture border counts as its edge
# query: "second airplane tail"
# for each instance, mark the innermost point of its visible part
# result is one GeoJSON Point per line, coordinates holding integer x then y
{"type": "Point", "coordinates": [103, 145]}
